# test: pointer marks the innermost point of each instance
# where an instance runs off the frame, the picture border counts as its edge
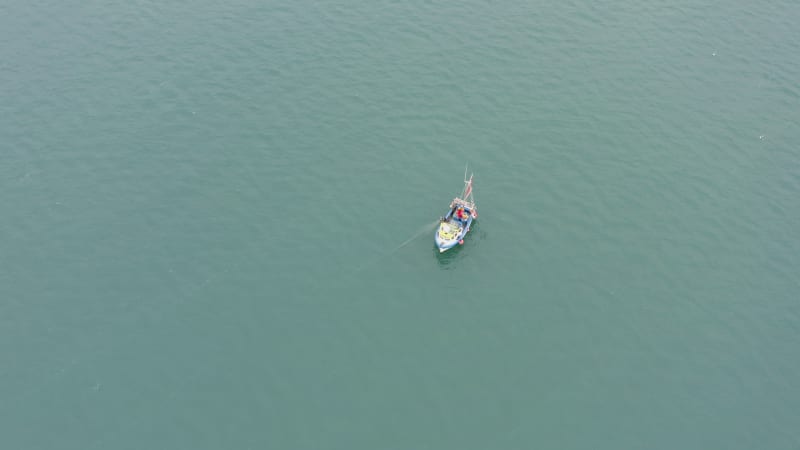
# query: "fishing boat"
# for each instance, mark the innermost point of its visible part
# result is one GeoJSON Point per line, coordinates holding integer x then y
{"type": "Point", "coordinates": [455, 225]}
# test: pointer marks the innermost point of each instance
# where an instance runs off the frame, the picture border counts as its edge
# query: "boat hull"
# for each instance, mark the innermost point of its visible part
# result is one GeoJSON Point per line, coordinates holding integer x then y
{"type": "Point", "coordinates": [451, 233]}
{"type": "Point", "coordinates": [455, 225]}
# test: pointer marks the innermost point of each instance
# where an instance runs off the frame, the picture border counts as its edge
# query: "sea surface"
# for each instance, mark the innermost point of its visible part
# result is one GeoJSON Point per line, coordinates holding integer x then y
{"type": "Point", "coordinates": [216, 225]}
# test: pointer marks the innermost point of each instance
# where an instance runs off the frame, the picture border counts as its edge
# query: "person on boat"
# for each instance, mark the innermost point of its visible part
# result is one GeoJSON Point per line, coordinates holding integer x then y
{"type": "Point", "coordinates": [460, 214]}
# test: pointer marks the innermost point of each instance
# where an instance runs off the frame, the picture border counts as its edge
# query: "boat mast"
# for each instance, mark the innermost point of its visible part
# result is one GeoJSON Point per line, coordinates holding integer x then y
{"type": "Point", "coordinates": [468, 189]}
{"type": "Point", "coordinates": [466, 194]}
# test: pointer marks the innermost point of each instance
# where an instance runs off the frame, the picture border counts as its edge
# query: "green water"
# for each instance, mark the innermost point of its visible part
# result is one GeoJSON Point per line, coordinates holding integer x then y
{"type": "Point", "coordinates": [216, 225]}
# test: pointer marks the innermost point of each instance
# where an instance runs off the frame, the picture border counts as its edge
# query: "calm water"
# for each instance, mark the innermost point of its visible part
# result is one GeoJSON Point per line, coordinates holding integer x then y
{"type": "Point", "coordinates": [216, 225]}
